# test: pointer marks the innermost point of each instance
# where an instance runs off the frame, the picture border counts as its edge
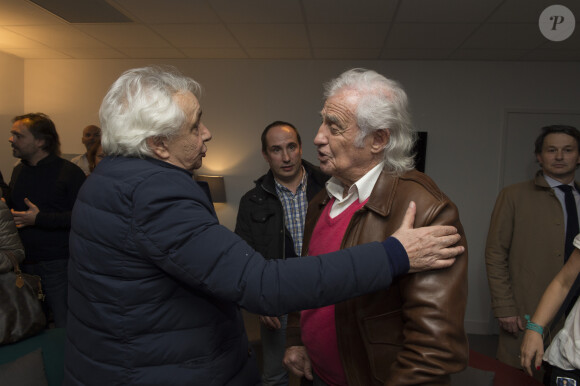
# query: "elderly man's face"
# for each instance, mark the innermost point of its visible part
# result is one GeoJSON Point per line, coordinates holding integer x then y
{"type": "Point", "coordinates": [338, 155]}
{"type": "Point", "coordinates": [91, 134]}
{"type": "Point", "coordinates": [188, 148]}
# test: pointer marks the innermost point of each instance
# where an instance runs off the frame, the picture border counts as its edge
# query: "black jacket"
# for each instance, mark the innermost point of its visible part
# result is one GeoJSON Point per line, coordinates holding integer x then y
{"type": "Point", "coordinates": [260, 219]}
{"type": "Point", "coordinates": [52, 185]}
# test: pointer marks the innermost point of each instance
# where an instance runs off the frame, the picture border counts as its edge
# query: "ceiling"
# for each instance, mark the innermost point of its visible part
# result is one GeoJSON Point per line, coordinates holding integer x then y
{"type": "Point", "coordinates": [499, 30]}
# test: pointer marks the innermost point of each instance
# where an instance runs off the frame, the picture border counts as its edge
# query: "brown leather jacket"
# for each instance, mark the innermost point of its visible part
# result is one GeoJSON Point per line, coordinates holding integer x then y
{"type": "Point", "coordinates": [412, 333]}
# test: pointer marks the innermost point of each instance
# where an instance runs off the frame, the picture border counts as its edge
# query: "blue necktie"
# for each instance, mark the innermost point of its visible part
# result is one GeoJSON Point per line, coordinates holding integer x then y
{"type": "Point", "coordinates": [572, 222]}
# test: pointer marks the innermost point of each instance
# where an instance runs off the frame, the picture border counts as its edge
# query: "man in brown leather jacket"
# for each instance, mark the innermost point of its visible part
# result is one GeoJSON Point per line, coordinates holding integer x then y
{"type": "Point", "coordinates": [412, 333]}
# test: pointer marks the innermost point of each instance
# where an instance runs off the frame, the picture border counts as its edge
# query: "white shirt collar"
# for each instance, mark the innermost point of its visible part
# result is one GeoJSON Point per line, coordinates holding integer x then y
{"type": "Point", "coordinates": [553, 183]}
{"type": "Point", "coordinates": [361, 189]}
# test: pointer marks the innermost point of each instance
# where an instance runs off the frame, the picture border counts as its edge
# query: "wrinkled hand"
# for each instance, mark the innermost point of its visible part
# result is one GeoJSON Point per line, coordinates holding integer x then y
{"type": "Point", "coordinates": [512, 324]}
{"type": "Point", "coordinates": [428, 247]}
{"type": "Point", "coordinates": [532, 346]}
{"type": "Point", "coordinates": [296, 360]}
{"type": "Point", "coordinates": [26, 218]}
{"type": "Point", "coordinates": [271, 322]}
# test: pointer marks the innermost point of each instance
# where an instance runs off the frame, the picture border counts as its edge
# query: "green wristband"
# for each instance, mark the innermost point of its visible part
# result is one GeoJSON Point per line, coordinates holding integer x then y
{"type": "Point", "coordinates": [533, 326]}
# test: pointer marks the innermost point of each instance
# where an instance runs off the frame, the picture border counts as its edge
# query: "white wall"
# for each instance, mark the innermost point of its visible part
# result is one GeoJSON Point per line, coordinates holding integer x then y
{"type": "Point", "coordinates": [460, 104]}
{"type": "Point", "coordinates": [11, 104]}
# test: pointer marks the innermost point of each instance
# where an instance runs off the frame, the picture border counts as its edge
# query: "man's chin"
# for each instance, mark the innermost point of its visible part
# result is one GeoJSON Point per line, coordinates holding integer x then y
{"type": "Point", "coordinates": [325, 167]}
{"type": "Point", "coordinates": [287, 173]}
{"type": "Point", "coordinates": [560, 174]}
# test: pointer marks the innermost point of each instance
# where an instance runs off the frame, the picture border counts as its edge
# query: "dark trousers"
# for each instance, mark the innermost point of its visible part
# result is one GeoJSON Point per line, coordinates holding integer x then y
{"type": "Point", "coordinates": [54, 280]}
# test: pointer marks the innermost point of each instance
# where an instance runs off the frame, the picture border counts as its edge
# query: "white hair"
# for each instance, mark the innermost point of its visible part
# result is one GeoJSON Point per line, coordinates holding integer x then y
{"type": "Point", "coordinates": [383, 105]}
{"type": "Point", "coordinates": [141, 104]}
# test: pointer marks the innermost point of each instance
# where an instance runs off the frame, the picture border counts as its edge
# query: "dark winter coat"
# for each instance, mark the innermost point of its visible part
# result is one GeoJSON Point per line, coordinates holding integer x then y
{"type": "Point", "coordinates": [155, 283]}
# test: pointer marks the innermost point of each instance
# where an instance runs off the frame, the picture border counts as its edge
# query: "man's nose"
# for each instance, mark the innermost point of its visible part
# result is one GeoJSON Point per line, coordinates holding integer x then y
{"type": "Point", "coordinates": [285, 155]}
{"type": "Point", "coordinates": [205, 133]}
{"type": "Point", "coordinates": [319, 139]}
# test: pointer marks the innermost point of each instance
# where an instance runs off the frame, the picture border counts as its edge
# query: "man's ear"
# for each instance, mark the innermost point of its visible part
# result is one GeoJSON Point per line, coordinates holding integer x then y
{"type": "Point", "coordinates": [380, 140]}
{"type": "Point", "coordinates": [158, 145]}
{"type": "Point", "coordinates": [265, 155]}
{"type": "Point", "coordinates": [40, 143]}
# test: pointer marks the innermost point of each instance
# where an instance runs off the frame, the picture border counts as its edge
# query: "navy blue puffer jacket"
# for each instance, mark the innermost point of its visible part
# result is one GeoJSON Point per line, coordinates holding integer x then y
{"type": "Point", "coordinates": [155, 283]}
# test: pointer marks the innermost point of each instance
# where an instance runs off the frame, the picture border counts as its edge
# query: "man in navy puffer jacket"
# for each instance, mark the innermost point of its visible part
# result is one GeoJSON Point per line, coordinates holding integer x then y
{"type": "Point", "coordinates": [155, 283]}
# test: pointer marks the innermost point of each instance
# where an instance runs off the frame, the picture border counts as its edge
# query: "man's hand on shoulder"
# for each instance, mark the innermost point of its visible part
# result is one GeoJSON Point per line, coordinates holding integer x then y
{"type": "Point", "coordinates": [428, 247]}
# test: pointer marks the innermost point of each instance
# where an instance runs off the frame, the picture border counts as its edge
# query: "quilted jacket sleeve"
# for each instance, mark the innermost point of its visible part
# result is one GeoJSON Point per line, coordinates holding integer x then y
{"type": "Point", "coordinates": [177, 231]}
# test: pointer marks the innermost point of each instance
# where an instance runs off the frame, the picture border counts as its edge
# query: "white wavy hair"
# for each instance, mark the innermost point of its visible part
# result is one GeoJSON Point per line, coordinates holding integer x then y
{"type": "Point", "coordinates": [141, 104]}
{"type": "Point", "coordinates": [383, 105]}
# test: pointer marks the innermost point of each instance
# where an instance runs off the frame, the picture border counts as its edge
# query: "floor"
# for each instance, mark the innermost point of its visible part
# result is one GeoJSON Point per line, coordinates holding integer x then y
{"type": "Point", "coordinates": [485, 344]}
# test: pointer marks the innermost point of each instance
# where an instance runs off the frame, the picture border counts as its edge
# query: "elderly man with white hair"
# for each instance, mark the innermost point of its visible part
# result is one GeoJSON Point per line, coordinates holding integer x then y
{"type": "Point", "coordinates": [411, 333]}
{"type": "Point", "coordinates": [156, 284]}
